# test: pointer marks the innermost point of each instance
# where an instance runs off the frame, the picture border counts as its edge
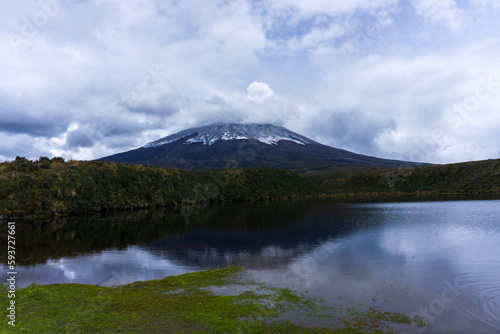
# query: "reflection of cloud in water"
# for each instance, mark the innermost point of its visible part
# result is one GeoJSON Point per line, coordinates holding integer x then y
{"type": "Point", "coordinates": [481, 298]}
{"type": "Point", "coordinates": [132, 264]}
{"type": "Point", "coordinates": [59, 264]}
{"type": "Point", "coordinates": [205, 258]}
{"type": "Point", "coordinates": [354, 266]}
{"type": "Point", "coordinates": [410, 262]}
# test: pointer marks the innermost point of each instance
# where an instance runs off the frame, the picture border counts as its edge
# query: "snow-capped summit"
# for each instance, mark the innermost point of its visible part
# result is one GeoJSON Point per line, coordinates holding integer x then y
{"type": "Point", "coordinates": [230, 145]}
{"type": "Point", "coordinates": [208, 135]}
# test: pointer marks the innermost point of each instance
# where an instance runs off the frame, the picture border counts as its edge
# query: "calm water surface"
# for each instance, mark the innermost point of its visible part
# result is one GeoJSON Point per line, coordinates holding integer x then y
{"type": "Point", "coordinates": [439, 260]}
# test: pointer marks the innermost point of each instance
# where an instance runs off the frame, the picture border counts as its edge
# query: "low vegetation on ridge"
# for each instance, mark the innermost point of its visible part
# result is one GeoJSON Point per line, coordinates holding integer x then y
{"type": "Point", "coordinates": [477, 177]}
{"type": "Point", "coordinates": [52, 187]}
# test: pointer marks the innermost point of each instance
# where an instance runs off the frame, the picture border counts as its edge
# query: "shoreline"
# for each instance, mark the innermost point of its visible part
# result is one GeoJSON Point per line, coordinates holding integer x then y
{"type": "Point", "coordinates": [212, 301]}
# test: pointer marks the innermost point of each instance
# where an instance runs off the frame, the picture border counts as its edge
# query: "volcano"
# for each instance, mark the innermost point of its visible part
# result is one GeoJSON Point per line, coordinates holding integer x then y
{"type": "Point", "coordinates": [229, 145]}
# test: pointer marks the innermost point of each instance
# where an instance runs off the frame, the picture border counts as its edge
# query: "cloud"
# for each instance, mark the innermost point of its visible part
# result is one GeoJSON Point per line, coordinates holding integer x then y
{"type": "Point", "coordinates": [337, 8]}
{"type": "Point", "coordinates": [18, 144]}
{"type": "Point", "coordinates": [484, 3]}
{"type": "Point", "coordinates": [445, 11]}
{"type": "Point", "coordinates": [76, 138]}
{"type": "Point", "coordinates": [29, 114]}
{"type": "Point", "coordinates": [322, 27]}
{"type": "Point", "coordinates": [103, 76]}
{"type": "Point", "coordinates": [259, 92]}
{"type": "Point", "coordinates": [354, 130]}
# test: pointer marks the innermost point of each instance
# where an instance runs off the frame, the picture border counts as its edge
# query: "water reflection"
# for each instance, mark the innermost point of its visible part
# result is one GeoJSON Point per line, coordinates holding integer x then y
{"type": "Point", "coordinates": [435, 259]}
{"type": "Point", "coordinates": [225, 230]}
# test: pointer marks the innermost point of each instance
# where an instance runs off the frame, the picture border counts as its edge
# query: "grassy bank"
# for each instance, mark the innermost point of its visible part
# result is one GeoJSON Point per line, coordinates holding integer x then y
{"type": "Point", "coordinates": [479, 177]}
{"type": "Point", "coordinates": [215, 301]}
{"type": "Point", "coordinates": [52, 187]}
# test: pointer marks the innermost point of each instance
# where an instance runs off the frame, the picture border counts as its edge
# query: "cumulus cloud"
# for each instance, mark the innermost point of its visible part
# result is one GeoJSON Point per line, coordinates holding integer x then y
{"type": "Point", "coordinates": [259, 92]}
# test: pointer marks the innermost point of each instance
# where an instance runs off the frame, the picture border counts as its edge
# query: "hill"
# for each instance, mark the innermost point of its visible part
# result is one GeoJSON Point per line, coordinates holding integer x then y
{"type": "Point", "coordinates": [460, 178]}
{"type": "Point", "coordinates": [51, 187]}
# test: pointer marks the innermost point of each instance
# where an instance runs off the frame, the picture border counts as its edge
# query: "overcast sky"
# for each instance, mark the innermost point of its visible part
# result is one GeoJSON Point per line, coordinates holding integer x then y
{"type": "Point", "coordinates": [415, 80]}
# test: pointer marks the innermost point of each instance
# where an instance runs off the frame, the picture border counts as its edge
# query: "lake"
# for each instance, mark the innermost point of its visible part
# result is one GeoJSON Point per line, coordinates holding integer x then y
{"type": "Point", "coordinates": [437, 259]}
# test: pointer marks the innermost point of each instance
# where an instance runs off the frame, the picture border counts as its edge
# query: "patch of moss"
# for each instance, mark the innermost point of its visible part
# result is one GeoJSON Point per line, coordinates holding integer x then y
{"type": "Point", "coordinates": [375, 320]}
{"type": "Point", "coordinates": [180, 304]}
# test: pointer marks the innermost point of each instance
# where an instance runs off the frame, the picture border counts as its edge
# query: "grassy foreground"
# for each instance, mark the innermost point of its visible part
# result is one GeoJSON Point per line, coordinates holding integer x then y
{"type": "Point", "coordinates": [186, 304]}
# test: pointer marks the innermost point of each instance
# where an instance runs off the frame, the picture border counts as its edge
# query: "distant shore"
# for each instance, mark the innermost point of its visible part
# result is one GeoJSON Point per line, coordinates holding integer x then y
{"type": "Point", "coordinates": [52, 187]}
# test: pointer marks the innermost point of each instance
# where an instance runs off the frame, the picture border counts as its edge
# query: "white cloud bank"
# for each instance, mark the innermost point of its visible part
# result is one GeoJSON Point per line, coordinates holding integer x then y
{"type": "Point", "coordinates": [83, 79]}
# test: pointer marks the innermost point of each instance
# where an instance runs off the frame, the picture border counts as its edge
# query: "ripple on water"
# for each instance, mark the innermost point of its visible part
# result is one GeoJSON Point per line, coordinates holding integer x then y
{"type": "Point", "coordinates": [481, 292]}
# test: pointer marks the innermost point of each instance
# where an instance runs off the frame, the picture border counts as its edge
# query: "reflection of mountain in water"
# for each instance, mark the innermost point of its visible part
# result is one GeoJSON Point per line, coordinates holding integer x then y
{"type": "Point", "coordinates": [219, 234]}
{"type": "Point", "coordinates": [267, 235]}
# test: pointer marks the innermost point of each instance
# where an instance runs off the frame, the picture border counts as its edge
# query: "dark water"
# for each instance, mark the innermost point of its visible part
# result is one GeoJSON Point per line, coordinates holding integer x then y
{"type": "Point", "coordinates": [440, 260]}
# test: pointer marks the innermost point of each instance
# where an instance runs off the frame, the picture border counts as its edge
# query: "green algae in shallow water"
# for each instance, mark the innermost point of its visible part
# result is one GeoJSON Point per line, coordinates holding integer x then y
{"type": "Point", "coordinates": [182, 304]}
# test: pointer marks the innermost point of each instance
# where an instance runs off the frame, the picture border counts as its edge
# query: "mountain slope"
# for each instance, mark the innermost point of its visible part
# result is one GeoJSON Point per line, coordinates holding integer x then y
{"type": "Point", "coordinates": [246, 145]}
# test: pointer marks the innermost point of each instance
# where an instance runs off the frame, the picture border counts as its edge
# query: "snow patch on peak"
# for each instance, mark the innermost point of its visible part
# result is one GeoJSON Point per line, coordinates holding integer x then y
{"type": "Point", "coordinates": [208, 135]}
